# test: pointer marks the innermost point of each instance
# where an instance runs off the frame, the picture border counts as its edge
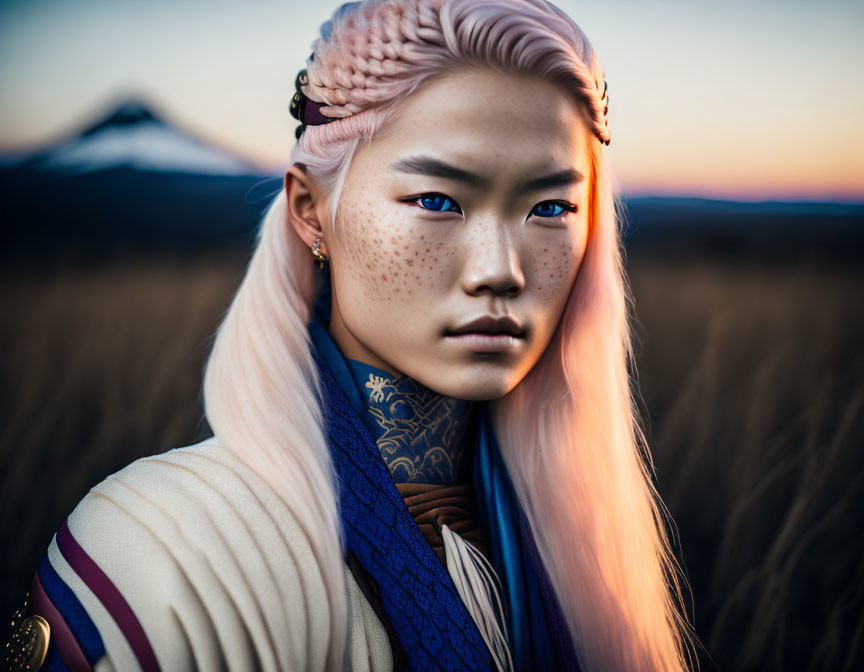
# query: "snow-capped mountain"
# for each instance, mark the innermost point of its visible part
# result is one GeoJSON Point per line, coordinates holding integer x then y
{"type": "Point", "coordinates": [132, 136]}
{"type": "Point", "coordinates": [131, 181]}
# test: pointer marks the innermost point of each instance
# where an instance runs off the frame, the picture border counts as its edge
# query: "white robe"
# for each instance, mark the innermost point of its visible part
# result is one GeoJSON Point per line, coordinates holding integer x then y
{"type": "Point", "coordinates": [214, 566]}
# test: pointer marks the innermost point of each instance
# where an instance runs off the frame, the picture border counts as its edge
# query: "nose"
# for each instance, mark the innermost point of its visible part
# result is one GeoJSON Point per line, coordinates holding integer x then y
{"type": "Point", "coordinates": [492, 263]}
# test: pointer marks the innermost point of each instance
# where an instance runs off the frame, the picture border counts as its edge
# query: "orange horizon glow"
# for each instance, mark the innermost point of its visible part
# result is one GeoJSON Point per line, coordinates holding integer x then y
{"type": "Point", "coordinates": [711, 101]}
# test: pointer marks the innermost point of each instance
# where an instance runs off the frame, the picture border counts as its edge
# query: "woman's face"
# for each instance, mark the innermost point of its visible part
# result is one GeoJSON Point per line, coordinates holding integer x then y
{"type": "Point", "coordinates": [472, 206]}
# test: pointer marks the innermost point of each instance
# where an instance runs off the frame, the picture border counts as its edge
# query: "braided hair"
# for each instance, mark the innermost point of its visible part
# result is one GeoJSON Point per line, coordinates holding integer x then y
{"type": "Point", "coordinates": [367, 51]}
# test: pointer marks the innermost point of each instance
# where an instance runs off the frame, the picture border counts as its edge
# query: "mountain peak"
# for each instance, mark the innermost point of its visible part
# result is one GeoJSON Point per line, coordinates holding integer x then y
{"type": "Point", "coordinates": [129, 112]}
{"type": "Point", "coordinates": [131, 135]}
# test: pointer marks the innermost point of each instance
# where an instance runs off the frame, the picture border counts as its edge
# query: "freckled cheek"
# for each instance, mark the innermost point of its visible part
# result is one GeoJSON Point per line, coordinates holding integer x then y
{"type": "Point", "coordinates": [388, 258]}
{"type": "Point", "coordinates": [429, 262]}
{"type": "Point", "coordinates": [362, 254]}
{"type": "Point", "coordinates": [553, 268]}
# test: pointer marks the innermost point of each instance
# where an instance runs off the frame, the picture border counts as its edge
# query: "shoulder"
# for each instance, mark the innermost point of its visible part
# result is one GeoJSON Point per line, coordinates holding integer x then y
{"type": "Point", "coordinates": [186, 560]}
{"type": "Point", "coordinates": [201, 497]}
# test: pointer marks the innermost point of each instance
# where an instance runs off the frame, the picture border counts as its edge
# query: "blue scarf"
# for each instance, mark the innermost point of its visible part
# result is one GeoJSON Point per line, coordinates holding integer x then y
{"type": "Point", "coordinates": [422, 604]}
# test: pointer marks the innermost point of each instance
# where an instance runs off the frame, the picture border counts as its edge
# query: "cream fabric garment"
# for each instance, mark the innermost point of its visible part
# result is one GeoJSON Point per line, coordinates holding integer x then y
{"type": "Point", "coordinates": [215, 567]}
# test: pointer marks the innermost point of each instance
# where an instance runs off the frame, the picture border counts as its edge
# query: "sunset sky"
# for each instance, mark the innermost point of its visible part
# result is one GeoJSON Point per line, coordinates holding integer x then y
{"type": "Point", "coordinates": [747, 100]}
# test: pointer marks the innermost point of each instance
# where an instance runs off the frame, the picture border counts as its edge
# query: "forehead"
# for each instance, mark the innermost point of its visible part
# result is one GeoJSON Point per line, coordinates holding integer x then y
{"type": "Point", "coordinates": [501, 125]}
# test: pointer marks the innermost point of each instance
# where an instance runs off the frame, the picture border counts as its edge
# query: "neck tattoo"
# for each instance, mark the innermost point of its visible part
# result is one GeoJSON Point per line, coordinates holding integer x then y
{"type": "Point", "coordinates": [423, 436]}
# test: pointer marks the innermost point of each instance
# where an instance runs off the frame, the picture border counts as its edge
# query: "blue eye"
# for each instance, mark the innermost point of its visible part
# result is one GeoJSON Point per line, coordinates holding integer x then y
{"type": "Point", "coordinates": [549, 209]}
{"type": "Point", "coordinates": [438, 203]}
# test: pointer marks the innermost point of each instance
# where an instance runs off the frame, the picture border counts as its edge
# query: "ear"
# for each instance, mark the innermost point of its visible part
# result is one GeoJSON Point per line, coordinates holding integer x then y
{"type": "Point", "coordinates": [305, 206]}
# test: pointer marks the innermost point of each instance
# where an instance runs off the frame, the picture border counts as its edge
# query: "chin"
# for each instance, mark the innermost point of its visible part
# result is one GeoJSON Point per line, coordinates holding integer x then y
{"type": "Point", "coordinates": [472, 384]}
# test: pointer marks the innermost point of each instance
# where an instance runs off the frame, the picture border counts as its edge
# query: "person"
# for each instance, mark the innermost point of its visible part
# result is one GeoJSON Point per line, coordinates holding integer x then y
{"type": "Point", "coordinates": [425, 450]}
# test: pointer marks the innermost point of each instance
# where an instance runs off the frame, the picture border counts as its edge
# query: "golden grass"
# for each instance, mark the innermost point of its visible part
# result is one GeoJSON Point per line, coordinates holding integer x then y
{"type": "Point", "coordinates": [753, 379]}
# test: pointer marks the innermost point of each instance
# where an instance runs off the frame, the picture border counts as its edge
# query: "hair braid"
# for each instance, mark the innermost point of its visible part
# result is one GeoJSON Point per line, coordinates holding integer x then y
{"type": "Point", "coordinates": [367, 48]}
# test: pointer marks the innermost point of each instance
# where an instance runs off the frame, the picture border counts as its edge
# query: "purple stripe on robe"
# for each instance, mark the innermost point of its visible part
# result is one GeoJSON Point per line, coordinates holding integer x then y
{"type": "Point", "coordinates": [109, 596]}
{"type": "Point", "coordinates": [61, 636]}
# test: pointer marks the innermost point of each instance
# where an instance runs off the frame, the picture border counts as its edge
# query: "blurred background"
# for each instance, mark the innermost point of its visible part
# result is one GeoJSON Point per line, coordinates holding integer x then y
{"type": "Point", "coordinates": [140, 143]}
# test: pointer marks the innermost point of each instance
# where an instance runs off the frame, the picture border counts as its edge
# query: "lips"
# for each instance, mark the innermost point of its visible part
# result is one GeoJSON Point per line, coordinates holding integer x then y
{"type": "Point", "coordinates": [489, 324]}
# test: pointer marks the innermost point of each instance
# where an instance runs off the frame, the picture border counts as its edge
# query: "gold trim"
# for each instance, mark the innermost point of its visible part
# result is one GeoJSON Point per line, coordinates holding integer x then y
{"type": "Point", "coordinates": [28, 648]}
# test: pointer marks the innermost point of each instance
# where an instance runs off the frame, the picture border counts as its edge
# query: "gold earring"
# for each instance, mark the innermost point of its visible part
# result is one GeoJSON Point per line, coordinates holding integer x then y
{"type": "Point", "coordinates": [318, 254]}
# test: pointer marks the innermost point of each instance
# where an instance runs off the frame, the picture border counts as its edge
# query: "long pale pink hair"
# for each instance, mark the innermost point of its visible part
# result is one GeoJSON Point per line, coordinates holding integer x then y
{"type": "Point", "coordinates": [569, 432]}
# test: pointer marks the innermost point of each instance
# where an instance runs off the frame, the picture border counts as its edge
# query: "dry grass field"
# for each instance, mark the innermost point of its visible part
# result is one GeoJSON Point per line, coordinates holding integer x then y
{"type": "Point", "coordinates": [754, 382]}
{"type": "Point", "coordinates": [752, 379]}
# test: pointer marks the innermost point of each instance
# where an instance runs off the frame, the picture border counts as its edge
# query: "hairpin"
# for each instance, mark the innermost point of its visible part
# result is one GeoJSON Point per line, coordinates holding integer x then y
{"type": "Point", "coordinates": [606, 107]}
{"type": "Point", "coordinates": [303, 108]}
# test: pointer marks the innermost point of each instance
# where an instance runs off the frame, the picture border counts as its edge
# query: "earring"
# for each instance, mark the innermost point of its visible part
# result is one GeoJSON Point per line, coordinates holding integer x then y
{"type": "Point", "coordinates": [318, 254]}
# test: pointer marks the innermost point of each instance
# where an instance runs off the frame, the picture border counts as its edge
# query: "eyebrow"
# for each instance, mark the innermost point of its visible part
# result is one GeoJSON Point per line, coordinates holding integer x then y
{"type": "Point", "coordinates": [426, 165]}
